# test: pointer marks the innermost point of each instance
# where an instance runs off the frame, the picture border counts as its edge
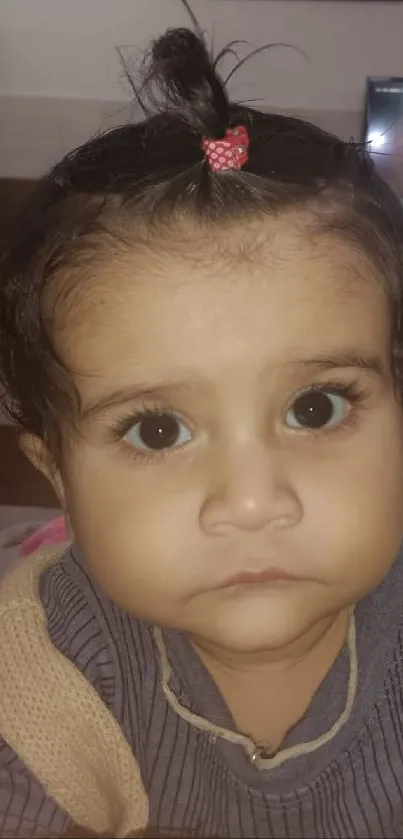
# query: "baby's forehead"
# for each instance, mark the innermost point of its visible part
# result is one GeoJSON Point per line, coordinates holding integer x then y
{"type": "Point", "coordinates": [300, 296]}
{"type": "Point", "coordinates": [253, 240]}
{"type": "Point", "coordinates": [190, 256]}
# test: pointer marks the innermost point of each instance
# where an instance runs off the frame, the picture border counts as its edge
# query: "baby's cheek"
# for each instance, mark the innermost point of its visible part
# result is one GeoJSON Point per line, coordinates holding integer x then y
{"type": "Point", "coordinates": [132, 536]}
{"type": "Point", "coordinates": [353, 509]}
{"type": "Point", "coordinates": [369, 523]}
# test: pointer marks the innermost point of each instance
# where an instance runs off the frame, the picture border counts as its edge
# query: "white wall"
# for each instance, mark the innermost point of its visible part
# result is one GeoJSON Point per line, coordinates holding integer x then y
{"type": "Point", "coordinates": [59, 48]}
{"type": "Point", "coordinates": [54, 52]}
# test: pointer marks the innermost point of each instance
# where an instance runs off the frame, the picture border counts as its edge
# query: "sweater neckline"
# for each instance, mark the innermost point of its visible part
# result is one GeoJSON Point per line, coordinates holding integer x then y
{"type": "Point", "coordinates": [257, 753]}
{"type": "Point", "coordinates": [379, 622]}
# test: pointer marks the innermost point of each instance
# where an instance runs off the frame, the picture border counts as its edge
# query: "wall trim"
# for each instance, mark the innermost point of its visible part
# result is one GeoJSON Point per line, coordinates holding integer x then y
{"type": "Point", "coordinates": [37, 131]}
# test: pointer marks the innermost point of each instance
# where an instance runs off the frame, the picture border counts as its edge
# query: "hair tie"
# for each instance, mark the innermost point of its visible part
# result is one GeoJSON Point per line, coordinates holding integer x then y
{"type": "Point", "coordinates": [231, 152]}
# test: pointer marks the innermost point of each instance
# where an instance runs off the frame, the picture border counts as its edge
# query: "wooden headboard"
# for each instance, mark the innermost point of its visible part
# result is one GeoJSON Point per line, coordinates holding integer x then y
{"type": "Point", "coordinates": [20, 483]}
{"type": "Point", "coordinates": [13, 194]}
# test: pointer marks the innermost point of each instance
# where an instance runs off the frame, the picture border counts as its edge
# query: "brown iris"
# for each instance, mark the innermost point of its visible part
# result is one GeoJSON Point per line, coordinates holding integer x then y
{"type": "Point", "coordinates": [159, 431]}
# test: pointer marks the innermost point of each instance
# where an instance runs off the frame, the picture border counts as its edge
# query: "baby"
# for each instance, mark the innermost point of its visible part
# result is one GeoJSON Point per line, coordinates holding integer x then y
{"type": "Point", "coordinates": [200, 336]}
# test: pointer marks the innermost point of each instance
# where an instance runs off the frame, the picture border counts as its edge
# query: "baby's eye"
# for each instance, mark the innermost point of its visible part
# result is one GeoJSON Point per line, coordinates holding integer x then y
{"type": "Point", "coordinates": [313, 409]}
{"type": "Point", "coordinates": [158, 431]}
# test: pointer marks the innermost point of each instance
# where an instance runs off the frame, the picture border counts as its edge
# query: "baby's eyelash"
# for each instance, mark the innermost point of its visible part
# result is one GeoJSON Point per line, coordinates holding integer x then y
{"type": "Point", "coordinates": [123, 425]}
{"type": "Point", "coordinates": [351, 391]}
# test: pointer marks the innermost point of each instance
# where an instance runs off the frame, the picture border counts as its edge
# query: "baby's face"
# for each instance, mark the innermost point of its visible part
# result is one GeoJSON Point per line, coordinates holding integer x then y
{"type": "Point", "coordinates": [239, 417]}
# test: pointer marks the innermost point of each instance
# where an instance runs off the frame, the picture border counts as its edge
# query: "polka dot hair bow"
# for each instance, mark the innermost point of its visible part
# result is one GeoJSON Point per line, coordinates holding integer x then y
{"type": "Point", "coordinates": [231, 152]}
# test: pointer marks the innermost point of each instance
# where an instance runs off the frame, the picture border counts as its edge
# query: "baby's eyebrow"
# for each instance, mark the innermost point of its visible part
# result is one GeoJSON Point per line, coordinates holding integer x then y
{"type": "Point", "coordinates": [121, 396]}
{"type": "Point", "coordinates": [344, 359]}
{"type": "Point", "coordinates": [166, 391]}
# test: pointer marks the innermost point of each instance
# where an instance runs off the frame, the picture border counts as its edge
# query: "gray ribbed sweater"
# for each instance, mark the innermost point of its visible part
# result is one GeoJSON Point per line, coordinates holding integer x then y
{"type": "Point", "coordinates": [203, 784]}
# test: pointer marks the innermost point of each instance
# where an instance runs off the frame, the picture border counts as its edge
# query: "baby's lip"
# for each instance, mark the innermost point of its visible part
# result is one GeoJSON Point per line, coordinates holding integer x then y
{"type": "Point", "coordinates": [252, 576]}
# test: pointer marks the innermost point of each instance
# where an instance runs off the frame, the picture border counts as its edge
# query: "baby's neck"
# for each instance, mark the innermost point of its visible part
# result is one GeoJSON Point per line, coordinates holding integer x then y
{"type": "Point", "coordinates": [323, 640]}
{"type": "Point", "coordinates": [269, 693]}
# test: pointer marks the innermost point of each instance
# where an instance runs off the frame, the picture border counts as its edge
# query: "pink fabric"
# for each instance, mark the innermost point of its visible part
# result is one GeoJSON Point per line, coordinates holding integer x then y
{"type": "Point", "coordinates": [51, 533]}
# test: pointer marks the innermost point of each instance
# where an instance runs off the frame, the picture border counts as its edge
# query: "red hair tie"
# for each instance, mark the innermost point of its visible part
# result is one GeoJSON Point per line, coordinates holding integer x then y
{"type": "Point", "coordinates": [231, 152]}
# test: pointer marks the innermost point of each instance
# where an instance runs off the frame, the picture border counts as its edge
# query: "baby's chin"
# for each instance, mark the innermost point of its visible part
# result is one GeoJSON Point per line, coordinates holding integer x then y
{"type": "Point", "coordinates": [252, 622]}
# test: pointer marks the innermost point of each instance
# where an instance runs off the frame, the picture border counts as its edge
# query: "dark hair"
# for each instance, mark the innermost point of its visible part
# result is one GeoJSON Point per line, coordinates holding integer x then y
{"type": "Point", "coordinates": [153, 171]}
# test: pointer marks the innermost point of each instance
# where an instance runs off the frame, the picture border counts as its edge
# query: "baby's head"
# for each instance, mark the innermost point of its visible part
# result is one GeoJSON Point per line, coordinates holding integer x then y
{"type": "Point", "coordinates": [207, 364]}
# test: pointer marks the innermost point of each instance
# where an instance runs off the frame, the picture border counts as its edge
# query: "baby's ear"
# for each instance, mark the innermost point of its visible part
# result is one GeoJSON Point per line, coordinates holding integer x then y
{"type": "Point", "coordinates": [41, 457]}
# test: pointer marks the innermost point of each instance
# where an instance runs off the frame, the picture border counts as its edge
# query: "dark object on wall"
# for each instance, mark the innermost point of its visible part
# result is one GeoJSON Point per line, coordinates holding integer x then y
{"type": "Point", "coordinates": [13, 194]}
{"type": "Point", "coordinates": [383, 129]}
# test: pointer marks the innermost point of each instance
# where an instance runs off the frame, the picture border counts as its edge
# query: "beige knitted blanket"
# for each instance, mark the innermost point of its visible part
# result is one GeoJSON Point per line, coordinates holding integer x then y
{"type": "Point", "coordinates": [56, 722]}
